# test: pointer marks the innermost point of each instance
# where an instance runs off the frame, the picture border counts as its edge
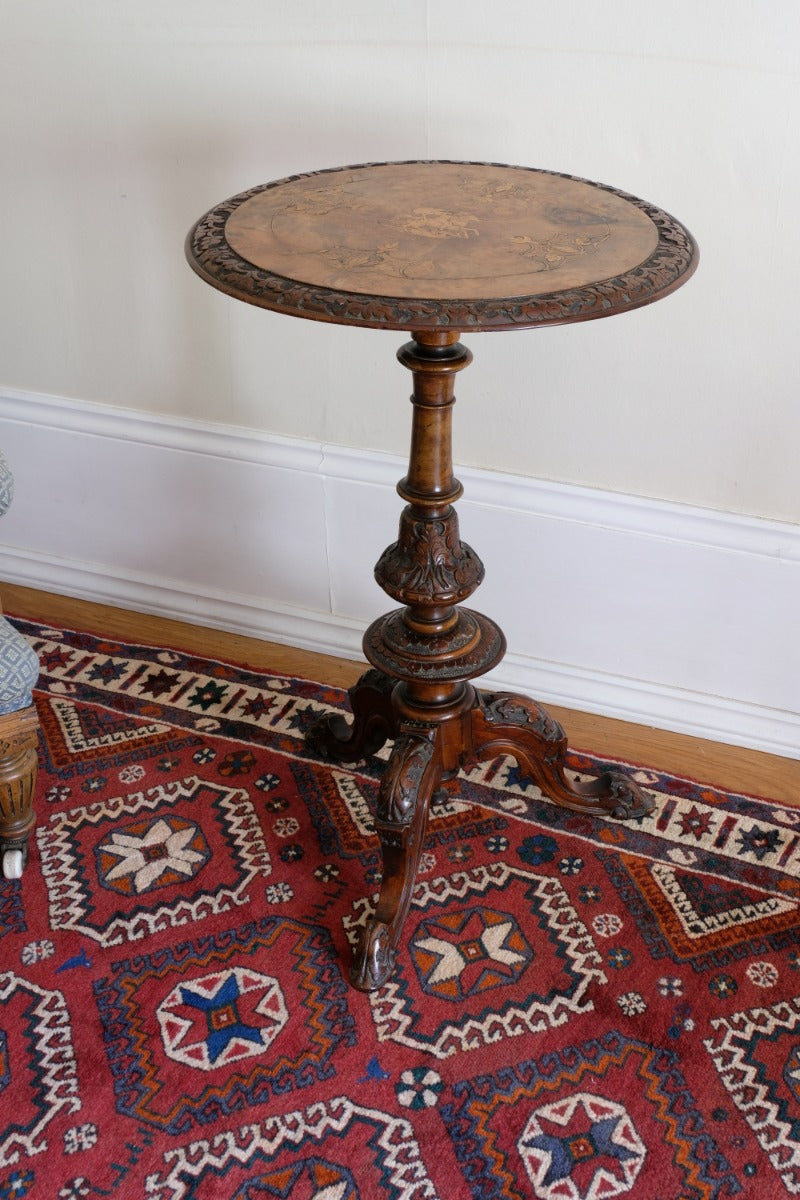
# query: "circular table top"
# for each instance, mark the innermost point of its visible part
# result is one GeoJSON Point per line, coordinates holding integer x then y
{"type": "Point", "coordinates": [432, 245]}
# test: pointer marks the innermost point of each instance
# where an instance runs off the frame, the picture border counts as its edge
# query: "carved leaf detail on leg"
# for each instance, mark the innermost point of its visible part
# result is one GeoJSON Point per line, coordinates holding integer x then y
{"type": "Point", "coordinates": [402, 778]}
{"type": "Point", "coordinates": [411, 776]}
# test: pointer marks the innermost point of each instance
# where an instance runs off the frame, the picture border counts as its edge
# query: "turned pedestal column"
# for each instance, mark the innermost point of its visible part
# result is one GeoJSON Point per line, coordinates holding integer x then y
{"type": "Point", "coordinates": [425, 655]}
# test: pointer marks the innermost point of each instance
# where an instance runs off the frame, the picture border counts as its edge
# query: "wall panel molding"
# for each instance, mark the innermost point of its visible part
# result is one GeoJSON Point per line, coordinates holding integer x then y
{"type": "Point", "coordinates": [654, 612]}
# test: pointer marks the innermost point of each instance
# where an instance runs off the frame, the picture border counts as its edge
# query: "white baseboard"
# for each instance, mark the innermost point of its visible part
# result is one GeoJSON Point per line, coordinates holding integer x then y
{"type": "Point", "coordinates": [658, 613]}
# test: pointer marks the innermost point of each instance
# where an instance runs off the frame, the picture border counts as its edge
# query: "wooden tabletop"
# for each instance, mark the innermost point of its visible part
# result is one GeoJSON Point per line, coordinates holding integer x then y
{"type": "Point", "coordinates": [426, 245]}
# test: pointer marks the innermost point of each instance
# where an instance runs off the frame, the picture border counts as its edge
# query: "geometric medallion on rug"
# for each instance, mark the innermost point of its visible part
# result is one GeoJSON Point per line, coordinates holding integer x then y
{"type": "Point", "coordinates": [582, 1008]}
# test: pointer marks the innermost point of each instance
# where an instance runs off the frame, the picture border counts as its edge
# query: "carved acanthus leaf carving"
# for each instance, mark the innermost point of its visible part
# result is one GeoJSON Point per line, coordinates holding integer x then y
{"type": "Point", "coordinates": [429, 564]}
{"type": "Point", "coordinates": [517, 710]}
{"type": "Point", "coordinates": [400, 785]}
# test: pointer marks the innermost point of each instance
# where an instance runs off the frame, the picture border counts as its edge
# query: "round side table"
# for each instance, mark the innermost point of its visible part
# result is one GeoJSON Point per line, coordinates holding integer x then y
{"type": "Point", "coordinates": [436, 249]}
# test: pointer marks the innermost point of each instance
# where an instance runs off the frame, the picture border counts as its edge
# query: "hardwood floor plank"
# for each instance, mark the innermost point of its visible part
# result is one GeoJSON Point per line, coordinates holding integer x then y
{"type": "Point", "coordinates": [731, 767]}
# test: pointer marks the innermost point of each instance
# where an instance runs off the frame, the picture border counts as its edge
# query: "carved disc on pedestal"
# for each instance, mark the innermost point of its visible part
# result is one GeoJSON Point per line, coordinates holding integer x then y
{"type": "Point", "coordinates": [474, 646]}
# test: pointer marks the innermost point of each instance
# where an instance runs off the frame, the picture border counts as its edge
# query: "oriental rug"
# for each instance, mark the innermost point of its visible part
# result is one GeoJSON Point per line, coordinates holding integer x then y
{"type": "Point", "coordinates": [582, 1008]}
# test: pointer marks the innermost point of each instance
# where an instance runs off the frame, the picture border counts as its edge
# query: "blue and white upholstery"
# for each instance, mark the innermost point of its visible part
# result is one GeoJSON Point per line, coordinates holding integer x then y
{"type": "Point", "coordinates": [19, 670]}
{"type": "Point", "coordinates": [6, 484]}
{"type": "Point", "coordinates": [19, 667]}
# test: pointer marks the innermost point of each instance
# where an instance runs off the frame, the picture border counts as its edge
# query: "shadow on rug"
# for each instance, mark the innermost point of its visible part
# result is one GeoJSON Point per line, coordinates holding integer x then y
{"type": "Point", "coordinates": [582, 1008]}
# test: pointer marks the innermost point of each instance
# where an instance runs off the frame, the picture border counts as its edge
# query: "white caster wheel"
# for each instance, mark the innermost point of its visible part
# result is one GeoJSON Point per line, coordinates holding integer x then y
{"type": "Point", "coordinates": [12, 864]}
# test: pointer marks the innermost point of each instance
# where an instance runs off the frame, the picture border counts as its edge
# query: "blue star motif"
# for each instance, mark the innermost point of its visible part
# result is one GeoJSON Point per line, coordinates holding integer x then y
{"type": "Point", "coordinates": [759, 842]}
{"type": "Point", "coordinates": [107, 671]}
{"type": "Point", "coordinates": [594, 1142]}
{"type": "Point", "coordinates": [516, 777]}
{"type": "Point", "coordinates": [224, 1023]}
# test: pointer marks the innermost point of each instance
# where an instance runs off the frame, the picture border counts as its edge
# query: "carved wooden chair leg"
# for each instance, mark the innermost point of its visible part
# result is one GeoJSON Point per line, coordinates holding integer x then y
{"type": "Point", "coordinates": [373, 723]}
{"type": "Point", "coordinates": [411, 777]}
{"type": "Point", "coordinates": [515, 725]}
{"type": "Point", "coordinates": [18, 769]}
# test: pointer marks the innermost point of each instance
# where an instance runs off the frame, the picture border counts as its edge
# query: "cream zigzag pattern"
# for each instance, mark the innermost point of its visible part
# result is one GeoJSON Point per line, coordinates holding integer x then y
{"type": "Point", "coordinates": [746, 1085]}
{"type": "Point", "coordinates": [403, 1166]}
{"type": "Point", "coordinates": [675, 832]}
{"type": "Point", "coordinates": [72, 729]}
{"type": "Point", "coordinates": [127, 677]}
{"type": "Point", "coordinates": [58, 1088]}
{"type": "Point", "coordinates": [698, 925]}
{"type": "Point", "coordinates": [394, 1023]}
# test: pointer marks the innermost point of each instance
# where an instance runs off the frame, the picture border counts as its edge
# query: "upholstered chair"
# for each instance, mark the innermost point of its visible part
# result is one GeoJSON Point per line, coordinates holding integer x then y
{"type": "Point", "coordinates": [19, 729]}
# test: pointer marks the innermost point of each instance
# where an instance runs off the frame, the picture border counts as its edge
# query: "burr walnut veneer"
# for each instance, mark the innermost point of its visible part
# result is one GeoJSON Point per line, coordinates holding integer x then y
{"type": "Point", "coordinates": [436, 249]}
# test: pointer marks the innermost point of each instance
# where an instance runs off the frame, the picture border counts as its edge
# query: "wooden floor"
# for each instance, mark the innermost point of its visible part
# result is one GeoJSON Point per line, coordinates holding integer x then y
{"type": "Point", "coordinates": [728, 767]}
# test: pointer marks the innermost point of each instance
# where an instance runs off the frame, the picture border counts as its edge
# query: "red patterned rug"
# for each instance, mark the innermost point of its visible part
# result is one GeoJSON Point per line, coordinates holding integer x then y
{"type": "Point", "coordinates": [582, 1009]}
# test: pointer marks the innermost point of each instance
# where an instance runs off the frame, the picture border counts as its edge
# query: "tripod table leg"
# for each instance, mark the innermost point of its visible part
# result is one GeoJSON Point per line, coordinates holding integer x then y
{"type": "Point", "coordinates": [514, 725]}
{"type": "Point", "coordinates": [372, 725]}
{"type": "Point", "coordinates": [410, 779]}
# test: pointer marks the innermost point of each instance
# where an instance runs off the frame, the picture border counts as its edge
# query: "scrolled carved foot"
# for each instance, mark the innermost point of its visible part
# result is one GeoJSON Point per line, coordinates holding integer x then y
{"type": "Point", "coordinates": [334, 739]}
{"type": "Point", "coordinates": [374, 958]}
{"type": "Point", "coordinates": [630, 802]}
{"type": "Point", "coordinates": [610, 795]}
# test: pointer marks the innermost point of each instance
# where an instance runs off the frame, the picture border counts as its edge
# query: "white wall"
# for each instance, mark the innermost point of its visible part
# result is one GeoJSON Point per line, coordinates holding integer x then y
{"type": "Point", "coordinates": [122, 121]}
{"type": "Point", "coordinates": [660, 613]}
